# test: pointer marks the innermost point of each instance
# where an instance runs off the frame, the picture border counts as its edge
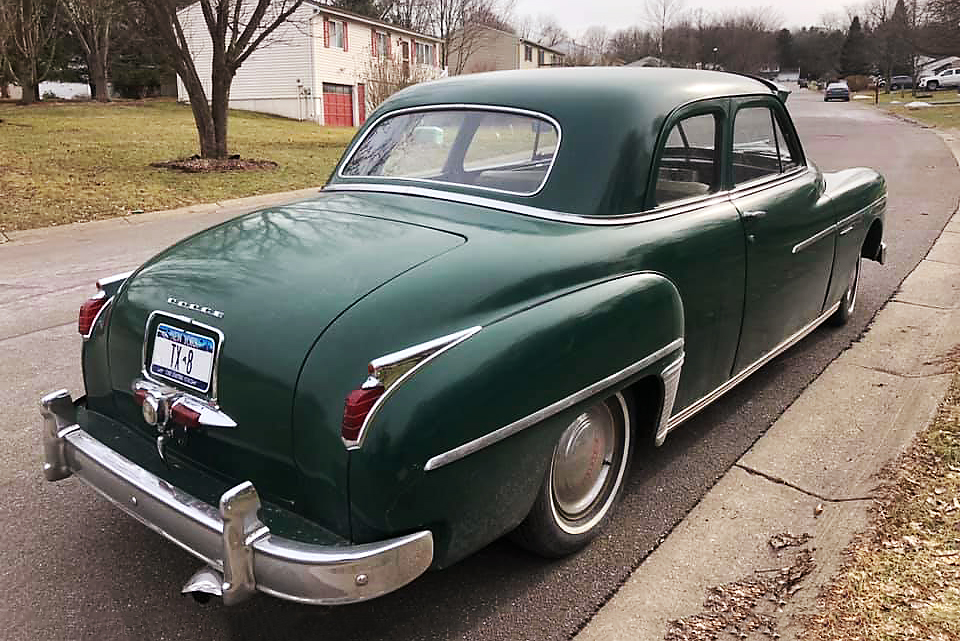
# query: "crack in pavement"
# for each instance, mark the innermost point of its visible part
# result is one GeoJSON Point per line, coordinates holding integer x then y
{"type": "Point", "coordinates": [890, 372]}
{"type": "Point", "coordinates": [34, 331]}
{"type": "Point", "coordinates": [816, 495]}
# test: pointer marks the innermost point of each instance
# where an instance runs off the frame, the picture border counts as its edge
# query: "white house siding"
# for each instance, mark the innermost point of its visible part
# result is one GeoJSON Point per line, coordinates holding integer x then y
{"type": "Point", "coordinates": [336, 66]}
{"type": "Point", "coordinates": [267, 81]}
{"type": "Point", "coordinates": [286, 76]}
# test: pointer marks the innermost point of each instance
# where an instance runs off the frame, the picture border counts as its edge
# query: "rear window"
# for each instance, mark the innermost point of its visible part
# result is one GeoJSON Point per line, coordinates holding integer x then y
{"type": "Point", "coordinates": [486, 149]}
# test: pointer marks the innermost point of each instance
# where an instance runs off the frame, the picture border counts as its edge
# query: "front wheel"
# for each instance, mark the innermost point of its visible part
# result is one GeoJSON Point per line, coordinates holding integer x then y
{"type": "Point", "coordinates": [849, 300]}
{"type": "Point", "coordinates": [933, 85]}
{"type": "Point", "coordinates": [585, 479]}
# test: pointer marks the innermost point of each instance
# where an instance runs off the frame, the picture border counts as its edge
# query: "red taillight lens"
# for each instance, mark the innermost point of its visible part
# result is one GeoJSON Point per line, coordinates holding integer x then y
{"type": "Point", "coordinates": [358, 405]}
{"type": "Point", "coordinates": [140, 396]}
{"type": "Point", "coordinates": [182, 415]}
{"type": "Point", "coordinates": [89, 311]}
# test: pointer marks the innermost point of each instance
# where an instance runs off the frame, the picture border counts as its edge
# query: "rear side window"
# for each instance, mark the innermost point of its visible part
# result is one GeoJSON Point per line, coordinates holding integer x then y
{"type": "Point", "coordinates": [760, 148]}
{"type": "Point", "coordinates": [487, 149]}
{"type": "Point", "coordinates": [689, 164]}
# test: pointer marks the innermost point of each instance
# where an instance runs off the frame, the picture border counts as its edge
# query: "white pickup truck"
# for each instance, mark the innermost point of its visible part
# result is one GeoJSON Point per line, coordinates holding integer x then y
{"type": "Point", "coordinates": [944, 79]}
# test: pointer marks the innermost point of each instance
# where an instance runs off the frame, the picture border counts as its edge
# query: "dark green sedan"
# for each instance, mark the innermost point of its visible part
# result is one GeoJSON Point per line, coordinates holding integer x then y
{"type": "Point", "coordinates": [511, 282]}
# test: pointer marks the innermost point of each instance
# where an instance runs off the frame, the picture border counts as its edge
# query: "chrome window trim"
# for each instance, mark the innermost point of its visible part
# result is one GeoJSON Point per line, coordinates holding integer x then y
{"type": "Point", "coordinates": [750, 187]}
{"type": "Point", "coordinates": [434, 348]}
{"type": "Point", "coordinates": [696, 406]}
{"type": "Point", "coordinates": [500, 434]}
{"type": "Point", "coordinates": [455, 107]}
{"type": "Point", "coordinates": [212, 393]}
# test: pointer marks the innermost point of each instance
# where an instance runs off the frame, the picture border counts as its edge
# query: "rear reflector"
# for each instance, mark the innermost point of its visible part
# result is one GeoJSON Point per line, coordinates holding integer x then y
{"type": "Point", "coordinates": [89, 311]}
{"type": "Point", "coordinates": [182, 415]}
{"type": "Point", "coordinates": [358, 405]}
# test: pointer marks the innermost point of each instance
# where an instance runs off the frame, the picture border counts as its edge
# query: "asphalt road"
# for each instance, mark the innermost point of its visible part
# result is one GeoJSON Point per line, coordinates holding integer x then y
{"type": "Point", "coordinates": [74, 567]}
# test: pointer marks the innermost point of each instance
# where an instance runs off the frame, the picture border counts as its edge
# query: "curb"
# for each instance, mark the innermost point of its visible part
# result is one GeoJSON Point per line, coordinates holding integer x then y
{"type": "Point", "coordinates": [237, 205]}
{"type": "Point", "coordinates": [750, 557]}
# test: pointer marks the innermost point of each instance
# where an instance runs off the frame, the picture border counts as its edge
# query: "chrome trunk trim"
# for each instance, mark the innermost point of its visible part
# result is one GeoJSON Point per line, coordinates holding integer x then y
{"type": "Point", "coordinates": [231, 539]}
{"type": "Point", "coordinates": [498, 435]}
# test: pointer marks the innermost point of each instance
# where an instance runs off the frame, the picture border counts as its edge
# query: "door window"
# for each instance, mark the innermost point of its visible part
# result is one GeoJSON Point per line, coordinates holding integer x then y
{"type": "Point", "coordinates": [689, 165]}
{"type": "Point", "coordinates": [760, 148]}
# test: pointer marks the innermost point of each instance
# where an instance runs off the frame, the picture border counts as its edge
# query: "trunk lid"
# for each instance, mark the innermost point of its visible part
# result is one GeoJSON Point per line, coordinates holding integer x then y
{"type": "Point", "coordinates": [270, 283]}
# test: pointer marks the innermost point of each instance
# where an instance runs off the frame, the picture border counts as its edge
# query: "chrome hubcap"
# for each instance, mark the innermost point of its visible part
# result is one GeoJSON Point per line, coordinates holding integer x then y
{"type": "Point", "coordinates": [582, 460]}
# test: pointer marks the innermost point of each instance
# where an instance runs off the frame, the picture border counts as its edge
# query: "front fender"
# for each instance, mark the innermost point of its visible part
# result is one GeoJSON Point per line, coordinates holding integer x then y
{"type": "Point", "coordinates": [510, 390]}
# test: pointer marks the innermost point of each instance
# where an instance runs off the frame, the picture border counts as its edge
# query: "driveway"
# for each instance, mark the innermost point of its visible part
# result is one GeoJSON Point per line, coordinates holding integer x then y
{"type": "Point", "coordinates": [75, 567]}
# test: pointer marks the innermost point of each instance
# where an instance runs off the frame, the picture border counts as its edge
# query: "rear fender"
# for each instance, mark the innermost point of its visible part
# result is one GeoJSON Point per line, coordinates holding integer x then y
{"type": "Point", "coordinates": [462, 447]}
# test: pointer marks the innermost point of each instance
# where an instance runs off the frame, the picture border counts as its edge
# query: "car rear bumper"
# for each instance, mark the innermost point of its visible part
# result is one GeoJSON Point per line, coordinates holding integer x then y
{"type": "Point", "coordinates": [233, 541]}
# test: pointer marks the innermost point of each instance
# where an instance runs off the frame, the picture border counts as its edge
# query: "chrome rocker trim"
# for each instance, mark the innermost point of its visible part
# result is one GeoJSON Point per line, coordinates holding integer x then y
{"type": "Point", "coordinates": [696, 406]}
{"type": "Point", "coordinates": [498, 435]}
{"type": "Point", "coordinates": [240, 550]}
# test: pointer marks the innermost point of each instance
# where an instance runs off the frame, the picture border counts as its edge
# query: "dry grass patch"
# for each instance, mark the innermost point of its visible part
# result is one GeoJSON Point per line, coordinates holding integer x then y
{"type": "Point", "coordinates": [62, 163]}
{"type": "Point", "coordinates": [902, 580]}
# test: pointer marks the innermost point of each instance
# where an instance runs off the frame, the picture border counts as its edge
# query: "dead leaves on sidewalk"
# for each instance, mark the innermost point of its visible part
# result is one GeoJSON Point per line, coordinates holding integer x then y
{"type": "Point", "coordinates": [747, 608]}
{"type": "Point", "coordinates": [902, 579]}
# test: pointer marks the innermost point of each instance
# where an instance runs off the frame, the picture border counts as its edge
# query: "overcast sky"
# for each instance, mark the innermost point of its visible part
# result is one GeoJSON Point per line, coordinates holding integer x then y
{"type": "Point", "coordinates": [577, 15]}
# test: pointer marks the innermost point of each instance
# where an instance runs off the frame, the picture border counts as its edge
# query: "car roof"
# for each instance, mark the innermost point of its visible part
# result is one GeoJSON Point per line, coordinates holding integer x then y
{"type": "Point", "coordinates": [609, 117]}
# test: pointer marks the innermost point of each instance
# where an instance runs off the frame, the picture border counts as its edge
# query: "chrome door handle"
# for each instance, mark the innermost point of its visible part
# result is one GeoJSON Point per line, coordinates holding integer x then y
{"type": "Point", "coordinates": [753, 215]}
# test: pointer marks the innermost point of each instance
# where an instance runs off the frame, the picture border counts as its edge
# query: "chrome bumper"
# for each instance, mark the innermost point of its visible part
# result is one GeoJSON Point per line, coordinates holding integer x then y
{"type": "Point", "coordinates": [231, 540]}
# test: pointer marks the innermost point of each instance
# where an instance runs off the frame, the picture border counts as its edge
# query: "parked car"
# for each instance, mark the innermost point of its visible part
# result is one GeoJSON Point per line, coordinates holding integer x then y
{"type": "Point", "coordinates": [901, 82]}
{"type": "Point", "coordinates": [837, 90]}
{"type": "Point", "coordinates": [946, 79]}
{"type": "Point", "coordinates": [510, 282]}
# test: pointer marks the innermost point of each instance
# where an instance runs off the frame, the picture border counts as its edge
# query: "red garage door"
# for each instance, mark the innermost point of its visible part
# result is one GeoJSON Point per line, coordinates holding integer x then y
{"type": "Point", "coordinates": [337, 104]}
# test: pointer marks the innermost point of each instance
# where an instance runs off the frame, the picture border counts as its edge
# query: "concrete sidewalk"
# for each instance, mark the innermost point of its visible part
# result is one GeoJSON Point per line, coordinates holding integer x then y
{"type": "Point", "coordinates": [812, 473]}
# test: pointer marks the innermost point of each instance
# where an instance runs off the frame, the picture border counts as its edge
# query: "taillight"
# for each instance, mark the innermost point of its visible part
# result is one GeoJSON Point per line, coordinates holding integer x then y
{"type": "Point", "coordinates": [89, 311]}
{"type": "Point", "coordinates": [358, 405]}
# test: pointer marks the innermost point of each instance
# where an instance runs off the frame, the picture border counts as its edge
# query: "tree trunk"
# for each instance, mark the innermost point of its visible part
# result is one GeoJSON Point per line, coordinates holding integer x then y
{"type": "Point", "coordinates": [98, 78]}
{"type": "Point", "coordinates": [201, 115]}
{"type": "Point", "coordinates": [220, 104]}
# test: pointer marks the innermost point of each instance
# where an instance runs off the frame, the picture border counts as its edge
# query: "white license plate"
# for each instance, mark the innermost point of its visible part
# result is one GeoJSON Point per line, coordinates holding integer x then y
{"type": "Point", "coordinates": [183, 357]}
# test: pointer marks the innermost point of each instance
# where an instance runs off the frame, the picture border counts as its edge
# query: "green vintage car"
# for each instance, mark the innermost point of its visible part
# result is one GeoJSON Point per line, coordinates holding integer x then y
{"type": "Point", "coordinates": [511, 280]}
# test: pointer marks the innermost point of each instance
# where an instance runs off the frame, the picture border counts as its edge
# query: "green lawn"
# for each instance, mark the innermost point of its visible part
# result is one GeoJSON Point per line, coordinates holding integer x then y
{"type": "Point", "coordinates": [65, 162]}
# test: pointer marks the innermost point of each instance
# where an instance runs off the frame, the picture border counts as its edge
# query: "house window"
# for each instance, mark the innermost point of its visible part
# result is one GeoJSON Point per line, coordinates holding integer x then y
{"type": "Point", "coordinates": [540, 57]}
{"type": "Point", "coordinates": [383, 45]}
{"type": "Point", "coordinates": [337, 36]}
{"type": "Point", "coordinates": [424, 54]}
{"type": "Point", "coordinates": [528, 53]}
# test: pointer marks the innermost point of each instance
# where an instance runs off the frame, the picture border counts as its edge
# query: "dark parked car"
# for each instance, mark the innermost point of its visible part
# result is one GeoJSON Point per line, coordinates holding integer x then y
{"type": "Point", "coordinates": [511, 280]}
{"type": "Point", "coordinates": [901, 82]}
{"type": "Point", "coordinates": [837, 90]}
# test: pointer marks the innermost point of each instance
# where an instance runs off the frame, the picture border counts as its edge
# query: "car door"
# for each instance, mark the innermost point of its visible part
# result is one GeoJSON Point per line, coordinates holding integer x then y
{"type": "Point", "coordinates": [951, 78]}
{"type": "Point", "coordinates": [694, 236]}
{"type": "Point", "coordinates": [789, 231]}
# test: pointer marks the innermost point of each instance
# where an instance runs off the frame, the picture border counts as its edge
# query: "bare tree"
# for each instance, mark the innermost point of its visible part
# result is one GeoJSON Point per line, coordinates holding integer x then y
{"type": "Point", "coordinates": [661, 14]}
{"type": "Point", "coordinates": [236, 28]}
{"type": "Point", "coordinates": [93, 23]}
{"type": "Point", "coordinates": [942, 28]}
{"type": "Point", "coordinates": [593, 43]}
{"type": "Point", "coordinates": [384, 76]}
{"type": "Point", "coordinates": [548, 32]}
{"type": "Point", "coordinates": [33, 27]}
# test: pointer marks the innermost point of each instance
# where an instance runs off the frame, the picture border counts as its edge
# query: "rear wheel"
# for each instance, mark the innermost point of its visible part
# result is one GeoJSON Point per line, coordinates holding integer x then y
{"type": "Point", "coordinates": [849, 300]}
{"type": "Point", "coordinates": [585, 479]}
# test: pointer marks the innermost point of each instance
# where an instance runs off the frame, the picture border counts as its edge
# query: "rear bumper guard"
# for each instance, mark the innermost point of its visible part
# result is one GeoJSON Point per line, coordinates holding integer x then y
{"type": "Point", "coordinates": [232, 540]}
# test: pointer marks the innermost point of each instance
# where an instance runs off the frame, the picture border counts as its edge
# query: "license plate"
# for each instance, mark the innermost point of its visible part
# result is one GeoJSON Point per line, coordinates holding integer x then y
{"type": "Point", "coordinates": [184, 357]}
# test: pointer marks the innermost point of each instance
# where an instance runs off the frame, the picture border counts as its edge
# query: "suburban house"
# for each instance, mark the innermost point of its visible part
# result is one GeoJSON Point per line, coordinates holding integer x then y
{"type": "Point", "coordinates": [318, 65]}
{"type": "Point", "coordinates": [933, 66]}
{"type": "Point", "coordinates": [483, 48]}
